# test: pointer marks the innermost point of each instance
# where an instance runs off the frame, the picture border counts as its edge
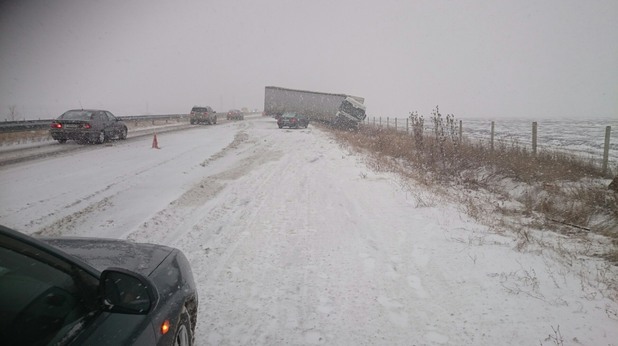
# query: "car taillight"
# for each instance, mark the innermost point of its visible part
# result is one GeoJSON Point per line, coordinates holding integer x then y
{"type": "Point", "coordinates": [293, 120]}
{"type": "Point", "coordinates": [165, 327]}
{"type": "Point", "coordinates": [56, 125]}
{"type": "Point", "coordinates": [87, 126]}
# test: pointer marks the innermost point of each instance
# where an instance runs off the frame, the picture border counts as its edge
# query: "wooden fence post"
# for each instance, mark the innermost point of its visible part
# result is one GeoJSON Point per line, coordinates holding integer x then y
{"type": "Point", "coordinates": [534, 127]}
{"type": "Point", "coordinates": [460, 131]}
{"type": "Point", "coordinates": [407, 125]}
{"type": "Point", "coordinates": [608, 130]}
{"type": "Point", "coordinates": [492, 136]}
{"type": "Point", "coordinates": [380, 121]}
{"type": "Point", "coordinates": [374, 121]}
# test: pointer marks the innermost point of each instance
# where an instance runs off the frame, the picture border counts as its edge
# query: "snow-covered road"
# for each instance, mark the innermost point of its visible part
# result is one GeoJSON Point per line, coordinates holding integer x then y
{"type": "Point", "coordinates": [293, 240]}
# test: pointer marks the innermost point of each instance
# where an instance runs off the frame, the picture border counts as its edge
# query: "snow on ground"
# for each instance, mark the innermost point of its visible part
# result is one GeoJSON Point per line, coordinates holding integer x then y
{"type": "Point", "coordinates": [293, 240]}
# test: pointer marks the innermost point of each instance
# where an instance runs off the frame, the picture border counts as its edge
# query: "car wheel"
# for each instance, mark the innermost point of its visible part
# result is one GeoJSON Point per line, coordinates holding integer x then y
{"type": "Point", "coordinates": [123, 134]}
{"type": "Point", "coordinates": [62, 141]}
{"type": "Point", "coordinates": [280, 126]}
{"type": "Point", "coordinates": [101, 138]}
{"type": "Point", "coordinates": [215, 120]}
{"type": "Point", "coordinates": [183, 335]}
{"type": "Point", "coordinates": [192, 121]}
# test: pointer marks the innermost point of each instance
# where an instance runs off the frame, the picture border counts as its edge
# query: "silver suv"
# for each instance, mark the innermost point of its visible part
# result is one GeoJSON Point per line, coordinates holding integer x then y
{"type": "Point", "coordinates": [203, 115]}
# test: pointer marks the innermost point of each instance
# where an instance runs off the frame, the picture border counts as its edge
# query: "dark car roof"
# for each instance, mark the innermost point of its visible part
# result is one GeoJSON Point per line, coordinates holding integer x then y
{"type": "Point", "coordinates": [200, 109]}
{"type": "Point", "coordinates": [292, 114]}
{"type": "Point", "coordinates": [87, 110]}
{"type": "Point", "coordinates": [80, 114]}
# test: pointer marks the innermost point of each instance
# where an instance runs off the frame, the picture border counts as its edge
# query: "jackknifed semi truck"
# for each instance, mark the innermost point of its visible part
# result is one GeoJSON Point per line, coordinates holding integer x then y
{"type": "Point", "coordinates": [335, 109]}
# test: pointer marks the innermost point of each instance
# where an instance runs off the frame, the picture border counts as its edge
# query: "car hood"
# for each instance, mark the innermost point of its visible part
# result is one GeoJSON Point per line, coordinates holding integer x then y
{"type": "Point", "coordinates": [105, 253]}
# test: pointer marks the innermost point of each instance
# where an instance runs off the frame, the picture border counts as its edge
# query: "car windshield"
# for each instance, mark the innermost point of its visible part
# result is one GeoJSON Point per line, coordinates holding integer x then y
{"type": "Point", "coordinates": [289, 115]}
{"type": "Point", "coordinates": [76, 115]}
{"type": "Point", "coordinates": [40, 289]}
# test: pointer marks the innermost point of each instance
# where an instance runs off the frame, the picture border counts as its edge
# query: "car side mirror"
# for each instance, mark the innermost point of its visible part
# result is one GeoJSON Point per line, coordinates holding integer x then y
{"type": "Point", "coordinates": [126, 292]}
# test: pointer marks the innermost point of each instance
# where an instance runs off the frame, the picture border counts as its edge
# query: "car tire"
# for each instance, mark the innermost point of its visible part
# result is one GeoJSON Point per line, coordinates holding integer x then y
{"type": "Point", "coordinates": [62, 141]}
{"type": "Point", "coordinates": [280, 126]}
{"type": "Point", "coordinates": [215, 120]}
{"type": "Point", "coordinates": [101, 138]}
{"type": "Point", "coordinates": [184, 332]}
{"type": "Point", "coordinates": [192, 121]}
{"type": "Point", "coordinates": [123, 134]}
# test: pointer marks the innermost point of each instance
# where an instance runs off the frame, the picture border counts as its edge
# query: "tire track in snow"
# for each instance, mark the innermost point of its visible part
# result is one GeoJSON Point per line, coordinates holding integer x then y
{"type": "Point", "coordinates": [187, 211]}
{"type": "Point", "coordinates": [66, 218]}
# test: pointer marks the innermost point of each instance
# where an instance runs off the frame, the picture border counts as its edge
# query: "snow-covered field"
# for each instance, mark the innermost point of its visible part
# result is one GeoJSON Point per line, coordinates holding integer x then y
{"type": "Point", "coordinates": [293, 240]}
{"type": "Point", "coordinates": [584, 137]}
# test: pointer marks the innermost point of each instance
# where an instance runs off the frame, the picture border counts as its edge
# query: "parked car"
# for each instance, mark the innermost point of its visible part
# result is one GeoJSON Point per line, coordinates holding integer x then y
{"type": "Point", "coordinates": [202, 115]}
{"type": "Point", "coordinates": [291, 119]}
{"type": "Point", "coordinates": [88, 125]}
{"type": "Point", "coordinates": [91, 291]}
{"type": "Point", "coordinates": [235, 114]}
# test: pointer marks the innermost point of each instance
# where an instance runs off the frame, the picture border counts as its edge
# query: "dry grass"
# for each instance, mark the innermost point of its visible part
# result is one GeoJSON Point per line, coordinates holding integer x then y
{"type": "Point", "coordinates": [10, 138]}
{"type": "Point", "coordinates": [550, 190]}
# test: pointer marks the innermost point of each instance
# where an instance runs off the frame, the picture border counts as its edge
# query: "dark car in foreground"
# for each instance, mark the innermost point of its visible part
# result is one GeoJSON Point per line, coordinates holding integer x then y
{"type": "Point", "coordinates": [91, 291]}
{"type": "Point", "coordinates": [88, 125]}
{"type": "Point", "coordinates": [201, 115]}
{"type": "Point", "coordinates": [294, 120]}
{"type": "Point", "coordinates": [235, 114]}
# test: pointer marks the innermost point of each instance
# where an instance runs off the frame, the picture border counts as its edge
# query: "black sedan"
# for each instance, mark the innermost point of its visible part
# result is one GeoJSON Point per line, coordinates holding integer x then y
{"type": "Point", "coordinates": [90, 291]}
{"type": "Point", "coordinates": [294, 120]}
{"type": "Point", "coordinates": [88, 125]}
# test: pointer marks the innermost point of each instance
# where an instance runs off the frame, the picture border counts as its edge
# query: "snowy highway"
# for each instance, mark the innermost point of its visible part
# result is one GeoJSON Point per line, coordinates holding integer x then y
{"type": "Point", "coordinates": [293, 240]}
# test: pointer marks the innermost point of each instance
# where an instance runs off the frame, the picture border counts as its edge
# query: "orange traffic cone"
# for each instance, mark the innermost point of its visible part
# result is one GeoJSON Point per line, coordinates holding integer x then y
{"type": "Point", "coordinates": [155, 143]}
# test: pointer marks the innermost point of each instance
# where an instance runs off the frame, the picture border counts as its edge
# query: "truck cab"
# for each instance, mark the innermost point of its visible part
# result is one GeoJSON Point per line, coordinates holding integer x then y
{"type": "Point", "coordinates": [351, 111]}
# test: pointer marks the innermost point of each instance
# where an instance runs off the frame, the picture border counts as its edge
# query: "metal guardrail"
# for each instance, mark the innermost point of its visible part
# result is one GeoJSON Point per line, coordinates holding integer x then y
{"type": "Point", "coordinates": [30, 125]}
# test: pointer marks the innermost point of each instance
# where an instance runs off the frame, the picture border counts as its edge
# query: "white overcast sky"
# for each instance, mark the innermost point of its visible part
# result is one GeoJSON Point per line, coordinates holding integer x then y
{"type": "Point", "coordinates": [492, 58]}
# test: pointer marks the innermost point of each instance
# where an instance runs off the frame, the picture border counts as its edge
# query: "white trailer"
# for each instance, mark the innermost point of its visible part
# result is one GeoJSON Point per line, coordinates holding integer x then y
{"type": "Point", "coordinates": [336, 109]}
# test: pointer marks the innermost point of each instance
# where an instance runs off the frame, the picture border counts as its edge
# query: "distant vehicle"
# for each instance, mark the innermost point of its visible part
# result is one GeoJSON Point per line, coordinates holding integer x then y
{"type": "Point", "coordinates": [235, 114]}
{"type": "Point", "coordinates": [88, 125]}
{"type": "Point", "coordinates": [337, 109]}
{"type": "Point", "coordinates": [293, 120]}
{"type": "Point", "coordinates": [90, 291]}
{"type": "Point", "coordinates": [202, 115]}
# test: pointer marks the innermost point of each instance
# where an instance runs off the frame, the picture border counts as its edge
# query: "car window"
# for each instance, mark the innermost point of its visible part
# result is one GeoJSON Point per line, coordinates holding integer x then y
{"type": "Point", "coordinates": [110, 116]}
{"type": "Point", "coordinates": [41, 296]}
{"type": "Point", "coordinates": [99, 117]}
{"type": "Point", "coordinates": [76, 115]}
